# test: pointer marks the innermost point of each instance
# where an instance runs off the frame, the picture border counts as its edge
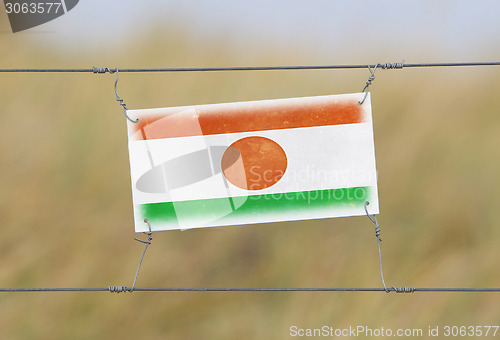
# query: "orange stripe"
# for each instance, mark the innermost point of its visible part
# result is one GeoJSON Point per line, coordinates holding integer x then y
{"type": "Point", "coordinates": [243, 117]}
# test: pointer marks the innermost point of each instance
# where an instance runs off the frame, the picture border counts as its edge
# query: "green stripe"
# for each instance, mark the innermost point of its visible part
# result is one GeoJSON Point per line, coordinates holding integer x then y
{"type": "Point", "coordinates": [253, 207]}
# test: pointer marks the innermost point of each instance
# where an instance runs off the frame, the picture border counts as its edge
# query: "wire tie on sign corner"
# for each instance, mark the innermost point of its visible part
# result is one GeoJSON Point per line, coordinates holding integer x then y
{"type": "Point", "coordinates": [147, 243]}
{"type": "Point", "coordinates": [368, 82]}
{"type": "Point", "coordinates": [102, 70]}
{"type": "Point", "coordinates": [373, 218]}
{"type": "Point", "coordinates": [121, 289]}
{"type": "Point", "coordinates": [148, 233]}
{"type": "Point", "coordinates": [118, 99]}
{"type": "Point", "coordinates": [385, 66]}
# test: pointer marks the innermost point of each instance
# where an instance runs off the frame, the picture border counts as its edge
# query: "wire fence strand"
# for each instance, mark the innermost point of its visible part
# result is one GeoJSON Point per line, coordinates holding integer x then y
{"type": "Point", "coordinates": [173, 289]}
{"type": "Point", "coordinates": [247, 68]}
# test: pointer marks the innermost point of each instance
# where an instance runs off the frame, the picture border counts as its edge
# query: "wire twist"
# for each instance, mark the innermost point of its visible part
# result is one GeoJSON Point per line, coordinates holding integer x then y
{"type": "Point", "coordinates": [392, 66]}
{"type": "Point", "coordinates": [118, 99]}
{"type": "Point", "coordinates": [385, 66]}
{"type": "Point", "coordinates": [374, 220]}
{"type": "Point", "coordinates": [379, 239]}
{"type": "Point", "coordinates": [147, 242]}
{"type": "Point", "coordinates": [404, 289]}
{"type": "Point", "coordinates": [122, 289]}
{"type": "Point", "coordinates": [118, 289]}
{"type": "Point", "coordinates": [102, 70]}
{"type": "Point", "coordinates": [377, 234]}
{"type": "Point", "coordinates": [368, 83]}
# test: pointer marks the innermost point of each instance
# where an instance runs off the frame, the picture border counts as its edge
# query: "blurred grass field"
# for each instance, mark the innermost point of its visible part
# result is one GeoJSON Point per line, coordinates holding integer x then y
{"type": "Point", "coordinates": [66, 217]}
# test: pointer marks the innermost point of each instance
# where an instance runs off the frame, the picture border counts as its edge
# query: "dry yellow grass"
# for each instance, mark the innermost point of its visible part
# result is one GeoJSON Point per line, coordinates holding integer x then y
{"type": "Point", "coordinates": [65, 205]}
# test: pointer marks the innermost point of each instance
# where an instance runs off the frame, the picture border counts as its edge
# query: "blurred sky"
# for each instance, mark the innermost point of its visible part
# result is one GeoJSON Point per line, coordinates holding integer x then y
{"type": "Point", "coordinates": [444, 30]}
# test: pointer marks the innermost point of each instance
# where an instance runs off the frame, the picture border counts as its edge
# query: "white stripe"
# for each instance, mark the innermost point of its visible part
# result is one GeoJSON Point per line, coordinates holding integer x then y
{"type": "Point", "coordinates": [326, 157]}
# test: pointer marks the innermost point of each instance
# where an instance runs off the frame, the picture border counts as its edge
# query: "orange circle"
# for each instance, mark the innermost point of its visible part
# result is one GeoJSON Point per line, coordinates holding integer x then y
{"type": "Point", "coordinates": [254, 163]}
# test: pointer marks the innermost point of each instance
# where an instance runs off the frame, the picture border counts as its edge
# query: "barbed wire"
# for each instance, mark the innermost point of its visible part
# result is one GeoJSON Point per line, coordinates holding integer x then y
{"type": "Point", "coordinates": [398, 65]}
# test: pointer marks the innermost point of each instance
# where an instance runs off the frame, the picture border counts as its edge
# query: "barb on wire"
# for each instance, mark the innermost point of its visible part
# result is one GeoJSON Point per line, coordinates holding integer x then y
{"type": "Point", "coordinates": [373, 218]}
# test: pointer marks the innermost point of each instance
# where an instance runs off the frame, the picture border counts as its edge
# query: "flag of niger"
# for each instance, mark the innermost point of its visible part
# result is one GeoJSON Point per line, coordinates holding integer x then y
{"type": "Point", "coordinates": [252, 162]}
